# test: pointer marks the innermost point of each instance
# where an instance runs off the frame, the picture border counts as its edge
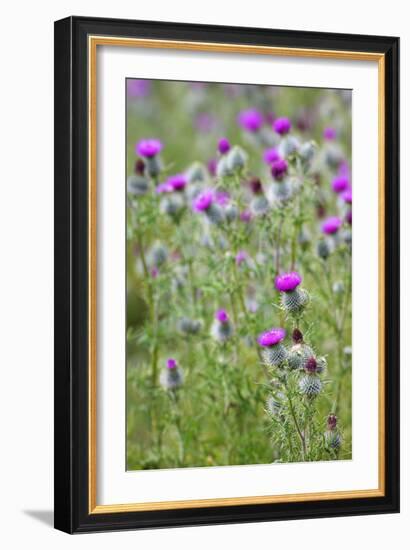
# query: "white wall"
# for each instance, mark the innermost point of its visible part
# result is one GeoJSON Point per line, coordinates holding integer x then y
{"type": "Point", "coordinates": [26, 337]}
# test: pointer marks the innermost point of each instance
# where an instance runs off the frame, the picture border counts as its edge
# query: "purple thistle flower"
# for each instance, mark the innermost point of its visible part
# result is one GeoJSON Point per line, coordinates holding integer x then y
{"type": "Point", "coordinates": [177, 182]}
{"type": "Point", "coordinates": [163, 188]}
{"type": "Point", "coordinates": [149, 147]}
{"type": "Point", "coordinates": [245, 216]}
{"type": "Point", "coordinates": [311, 365]}
{"type": "Point", "coordinates": [256, 185]}
{"type": "Point", "coordinates": [203, 201]}
{"type": "Point", "coordinates": [348, 217]}
{"type": "Point", "coordinates": [223, 146]}
{"type": "Point", "coordinates": [286, 282]}
{"type": "Point", "coordinates": [329, 133]}
{"type": "Point", "coordinates": [222, 198]}
{"type": "Point", "coordinates": [222, 316]}
{"type": "Point", "coordinates": [171, 363]}
{"type": "Point", "coordinates": [250, 120]}
{"type": "Point", "coordinates": [331, 225]}
{"type": "Point", "coordinates": [347, 196]}
{"type": "Point", "coordinates": [282, 125]}
{"type": "Point", "coordinates": [331, 421]}
{"type": "Point", "coordinates": [340, 183]}
{"type": "Point", "coordinates": [138, 87]}
{"type": "Point", "coordinates": [344, 169]}
{"type": "Point", "coordinates": [271, 337]}
{"type": "Point", "coordinates": [271, 155]}
{"type": "Point", "coordinates": [279, 168]}
{"type": "Point", "coordinates": [211, 165]}
{"type": "Point", "coordinates": [241, 257]}
{"type": "Point", "coordinates": [139, 167]}
{"type": "Point", "coordinates": [297, 336]}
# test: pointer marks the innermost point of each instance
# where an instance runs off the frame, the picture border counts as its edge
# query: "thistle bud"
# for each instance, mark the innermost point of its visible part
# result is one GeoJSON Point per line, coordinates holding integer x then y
{"type": "Point", "coordinates": [196, 173]}
{"type": "Point", "coordinates": [310, 385]}
{"type": "Point", "coordinates": [288, 146]}
{"type": "Point", "coordinates": [158, 255]}
{"type": "Point", "coordinates": [282, 192]}
{"type": "Point", "coordinates": [189, 326]}
{"type": "Point", "coordinates": [323, 249]}
{"type": "Point", "coordinates": [215, 214]}
{"type": "Point", "coordinates": [231, 213]}
{"type": "Point", "coordinates": [221, 329]}
{"type": "Point", "coordinates": [172, 377]}
{"type": "Point", "coordinates": [297, 336]}
{"type": "Point", "coordinates": [259, 205]}
{"type": "Point", "coordinates": [333, 438]}
{"type": "Point", "coordinates": [236, 159]}
{"type": "Point", "coordinates": [171, 205]}
{"type": "Point", "coordinates": [137, 185]}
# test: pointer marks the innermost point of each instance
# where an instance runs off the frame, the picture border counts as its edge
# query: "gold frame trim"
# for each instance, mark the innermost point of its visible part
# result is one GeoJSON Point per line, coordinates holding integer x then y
{"type": "Point", "coordinates": [93, 42]}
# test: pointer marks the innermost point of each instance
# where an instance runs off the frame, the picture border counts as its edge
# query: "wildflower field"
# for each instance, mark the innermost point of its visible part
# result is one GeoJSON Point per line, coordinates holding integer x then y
{"type": "Point", "coordinates": [239, 213]}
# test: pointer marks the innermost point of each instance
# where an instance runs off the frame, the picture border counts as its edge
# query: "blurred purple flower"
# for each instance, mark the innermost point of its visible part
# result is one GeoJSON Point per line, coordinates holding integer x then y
{"type": "Point", "coordinates": [171, 363]}
{"type": "Point", "coordinates": [211, 165]}
{"type": "Point", "coordinates": [241, 257]}
{"type": "Point", "coordinates": [271, 337]}
{"type": "Point", "coordinates": [154, 272]}
{"type": "Point", "coordinates": [163, 188]}
{"type": "Point", "coordinates": [340, 183]}
{"type": "Point", "coordinates": [286, 282]}
{"type": "Point", "coordinates": [282, 125]}
{"type": "Point", "coordinates": [223, 145]}
{"type": "Point", "coordinates": [311, 365]}
{"type": "Point", "coordinates": [139, 167]}
{"type": "Point", "coordinates": [347, 196]}
{"type": "Point", "coordinates": [177, 182]}
{"type": "Point", "coordinates": [331, 225]}
{"type": "Point", "coordinates": [329, 133]}
{"type": "Point", "coordinates": [271, 155]}
{"type": "Point", "coordinates": [279, 168]}
{"type": "Point", "coordinates": [149, 147]}
{"type": "Point", "coordinates": [245, 216]}
{"type": "Point", "coordinates": [138, 87]}
{"type": "Point", "coordinates": [222, 316]}
{"type": "Point", "coordinates": [250, 120]}
{"type": "Point", "coordinates": [344, 169]}
{"type": "Point", "coordinates": [203, 201]}
{"type": "Point", "coordinates": [222, 198]}
{"type": "Point", "coordinates": [348, 217]}
{"type": "Point", "coordinates": [256, 185]}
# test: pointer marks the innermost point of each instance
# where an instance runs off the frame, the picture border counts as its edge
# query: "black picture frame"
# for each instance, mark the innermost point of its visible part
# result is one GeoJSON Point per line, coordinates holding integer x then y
{"type": "Point", "coordinates": [71, 276]}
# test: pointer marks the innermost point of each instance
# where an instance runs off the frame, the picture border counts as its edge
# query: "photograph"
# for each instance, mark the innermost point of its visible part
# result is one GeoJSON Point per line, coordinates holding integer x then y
{"type": "Point", "coordinates": [238, 274]}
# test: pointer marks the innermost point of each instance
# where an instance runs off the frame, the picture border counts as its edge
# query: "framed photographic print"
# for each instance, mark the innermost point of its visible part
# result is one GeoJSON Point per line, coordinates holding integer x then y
{"type": "Point", "coordinates": [226, 274]}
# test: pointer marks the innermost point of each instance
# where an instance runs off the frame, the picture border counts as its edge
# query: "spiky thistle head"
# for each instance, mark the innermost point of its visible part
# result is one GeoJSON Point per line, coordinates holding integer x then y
{"type": "Point", "coordinates": [310, 385]}
{"type": "Point", "coordinates": [236, 159]}
{"type": "Point", "coordinates": [137, 185]}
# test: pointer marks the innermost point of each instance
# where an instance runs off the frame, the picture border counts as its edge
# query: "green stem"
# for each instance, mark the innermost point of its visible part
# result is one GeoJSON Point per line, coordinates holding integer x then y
{"type": "Point", "coordinates": [295, 421]}
{"type": "Point", "coordinates": [151, 304]}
